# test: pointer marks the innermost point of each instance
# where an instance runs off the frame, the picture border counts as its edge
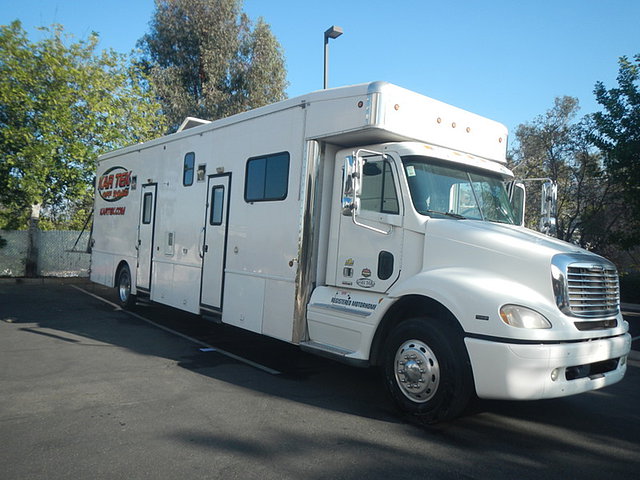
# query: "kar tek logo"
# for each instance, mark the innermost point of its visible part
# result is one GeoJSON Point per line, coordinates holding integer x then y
{"type": "Point", "coordinates": [114, 184]}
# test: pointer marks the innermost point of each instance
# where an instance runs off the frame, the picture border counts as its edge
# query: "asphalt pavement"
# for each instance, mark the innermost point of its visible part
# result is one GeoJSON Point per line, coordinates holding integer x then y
{"type": "Point", "coordinates": [88, 391]}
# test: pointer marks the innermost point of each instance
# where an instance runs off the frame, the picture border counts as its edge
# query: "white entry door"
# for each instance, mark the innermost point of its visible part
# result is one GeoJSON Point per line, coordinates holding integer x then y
{"type": "Point", "coordinates": [146, 237]}
{"type": "Point", "coordinates": [214, 247]}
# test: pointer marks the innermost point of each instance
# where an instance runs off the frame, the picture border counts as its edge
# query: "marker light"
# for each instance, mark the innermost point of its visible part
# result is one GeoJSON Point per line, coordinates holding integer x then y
{"type": "Point", "coordinates": [523, 317]}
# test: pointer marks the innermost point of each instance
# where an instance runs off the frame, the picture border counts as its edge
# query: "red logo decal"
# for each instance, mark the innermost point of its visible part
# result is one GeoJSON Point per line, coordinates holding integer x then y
{"type": "Point", "coordinates": [114, 184]}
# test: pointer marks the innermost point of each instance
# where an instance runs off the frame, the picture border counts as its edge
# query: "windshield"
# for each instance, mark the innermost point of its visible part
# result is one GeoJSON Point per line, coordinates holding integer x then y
{"type": "Point", "coordinates": [456, 191]}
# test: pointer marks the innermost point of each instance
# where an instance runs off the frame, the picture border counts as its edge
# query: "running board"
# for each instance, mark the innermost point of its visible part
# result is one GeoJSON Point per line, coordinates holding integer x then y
{"type": "Point", "coordinates": [333, 352]}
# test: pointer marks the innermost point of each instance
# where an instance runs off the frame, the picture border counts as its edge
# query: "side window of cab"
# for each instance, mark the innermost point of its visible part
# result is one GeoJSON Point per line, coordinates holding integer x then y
{"type": "Point", "coordinates": [378, 187]}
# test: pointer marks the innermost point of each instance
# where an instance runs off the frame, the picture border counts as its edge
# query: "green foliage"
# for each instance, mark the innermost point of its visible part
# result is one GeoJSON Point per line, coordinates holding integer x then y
{"type": "Point", "coordinates": [206, 60]}
{"type": "Point", "coordinates": [595, 161]}
{"type": "Point", "coordinates": [555, 145]}
{"type": "Point", "coordinates": [630, 287]}
{"type": "Point", "coordinates": [60, 107]}
{"type": "Point", "coordinates": [617, 134]}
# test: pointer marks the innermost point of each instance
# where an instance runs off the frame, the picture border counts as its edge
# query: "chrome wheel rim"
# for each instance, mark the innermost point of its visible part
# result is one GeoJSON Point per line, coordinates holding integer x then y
{"type": "Point", "coordinates": [124, 287]}
{"type": "Point", "coordinates": [417, 371]}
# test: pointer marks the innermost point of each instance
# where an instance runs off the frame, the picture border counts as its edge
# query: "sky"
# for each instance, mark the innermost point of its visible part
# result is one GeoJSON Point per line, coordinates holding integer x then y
{"type": "Point", "coordinates": [503, 59]}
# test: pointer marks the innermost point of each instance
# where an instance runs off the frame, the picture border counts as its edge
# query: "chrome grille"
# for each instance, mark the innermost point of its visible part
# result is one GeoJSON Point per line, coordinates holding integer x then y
{"type": "Point", "coordinates": [593, 290]}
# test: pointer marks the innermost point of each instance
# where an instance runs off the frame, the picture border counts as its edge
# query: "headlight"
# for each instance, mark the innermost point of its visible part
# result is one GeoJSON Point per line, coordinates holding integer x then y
{"type": "Point", "coordinates": [560, 289]}
{"type": "Point", "coordinates": [523, 317]}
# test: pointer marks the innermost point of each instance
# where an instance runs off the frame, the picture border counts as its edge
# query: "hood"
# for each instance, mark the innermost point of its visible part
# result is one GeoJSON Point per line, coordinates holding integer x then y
{"type": "Point", "coordinates": [504, 240]}
{"type": "Point", "coordinates": [492, 251]}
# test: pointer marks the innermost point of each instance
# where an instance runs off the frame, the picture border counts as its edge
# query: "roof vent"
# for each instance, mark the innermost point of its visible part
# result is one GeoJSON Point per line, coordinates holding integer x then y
{"type": "Point", "coordinates": [191, 122]}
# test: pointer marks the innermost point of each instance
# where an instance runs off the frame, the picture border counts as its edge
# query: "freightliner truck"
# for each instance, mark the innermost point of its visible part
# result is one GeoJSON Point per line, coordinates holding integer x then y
{"type": "Point", "coordinates": [372, 225]}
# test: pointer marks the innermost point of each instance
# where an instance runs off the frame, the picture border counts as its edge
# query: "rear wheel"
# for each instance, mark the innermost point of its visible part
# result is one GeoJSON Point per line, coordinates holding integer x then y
{"type": "Point", "coordinates": [427, 370]}
{"type": "Point", "coordinates": [123, 286]}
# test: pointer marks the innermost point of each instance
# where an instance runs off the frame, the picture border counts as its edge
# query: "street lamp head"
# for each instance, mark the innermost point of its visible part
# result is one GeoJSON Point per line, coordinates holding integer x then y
{"type": "Point", "coordinates": [333, 32]}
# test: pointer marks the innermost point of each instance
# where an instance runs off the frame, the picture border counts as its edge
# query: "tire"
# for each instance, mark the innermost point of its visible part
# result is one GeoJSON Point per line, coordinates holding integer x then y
{"type": "Point", "coordinates": [427, 370]}
{"type": "Point", "coordinates": [123, 288]}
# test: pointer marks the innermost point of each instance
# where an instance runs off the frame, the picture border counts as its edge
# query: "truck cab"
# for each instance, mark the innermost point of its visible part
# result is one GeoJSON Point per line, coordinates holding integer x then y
{"type": "Point", "coordinates": [434, 278]}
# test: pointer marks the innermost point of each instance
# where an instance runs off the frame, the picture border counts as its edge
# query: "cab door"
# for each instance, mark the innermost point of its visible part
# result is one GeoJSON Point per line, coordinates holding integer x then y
{"type": "Point", "coordinates": [369, 253]}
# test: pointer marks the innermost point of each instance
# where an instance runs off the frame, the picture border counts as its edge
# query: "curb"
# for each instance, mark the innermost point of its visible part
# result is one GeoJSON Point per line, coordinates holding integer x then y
{"type": "Point", "coordinates": [44, 281]}
{"type": "Point", "coordinates": [630, 307]}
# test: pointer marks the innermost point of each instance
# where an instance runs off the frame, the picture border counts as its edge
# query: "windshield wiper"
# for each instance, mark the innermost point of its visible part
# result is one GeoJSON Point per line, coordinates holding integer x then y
{"type": "Point", "coordinates": [448, 214]}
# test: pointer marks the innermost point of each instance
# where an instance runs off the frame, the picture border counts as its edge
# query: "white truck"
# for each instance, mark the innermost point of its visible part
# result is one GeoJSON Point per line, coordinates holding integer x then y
{"type": "Point", "coordinates": [372, 225]}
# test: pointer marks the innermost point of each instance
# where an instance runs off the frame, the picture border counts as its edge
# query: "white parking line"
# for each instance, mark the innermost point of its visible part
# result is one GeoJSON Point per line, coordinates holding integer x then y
{"type": "Point", "coordinates": [187, 337]}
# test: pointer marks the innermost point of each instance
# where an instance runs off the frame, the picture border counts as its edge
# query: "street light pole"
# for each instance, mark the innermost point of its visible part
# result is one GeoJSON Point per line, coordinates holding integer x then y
{"type": "Point", "coordinates": [333, 32]}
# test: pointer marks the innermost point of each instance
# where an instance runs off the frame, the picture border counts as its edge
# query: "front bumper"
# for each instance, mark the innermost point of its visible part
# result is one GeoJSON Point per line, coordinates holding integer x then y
{"type": "Point", "coordinates": [524, 372]}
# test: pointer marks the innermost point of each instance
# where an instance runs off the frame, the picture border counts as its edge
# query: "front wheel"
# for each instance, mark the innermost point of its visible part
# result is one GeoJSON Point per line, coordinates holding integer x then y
{"type": "Point", "coordinates": [123, 286]}
{"type": "Point", "coordinates": [427, 370]}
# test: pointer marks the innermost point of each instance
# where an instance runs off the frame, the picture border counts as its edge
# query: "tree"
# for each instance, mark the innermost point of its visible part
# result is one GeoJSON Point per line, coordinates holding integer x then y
{"type": "Point", "coordinates": [60, 107]}
{"type": "Point", "coordinates": [556, 146]}
{"type": "Point", "coordinates": [617, 134]}
{"type": "Point", "coordinates": [207, 60]}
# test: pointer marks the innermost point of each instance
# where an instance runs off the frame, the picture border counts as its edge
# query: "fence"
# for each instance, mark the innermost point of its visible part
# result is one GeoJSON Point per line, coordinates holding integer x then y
{"type": "Point", "coordinates": [55, 256]}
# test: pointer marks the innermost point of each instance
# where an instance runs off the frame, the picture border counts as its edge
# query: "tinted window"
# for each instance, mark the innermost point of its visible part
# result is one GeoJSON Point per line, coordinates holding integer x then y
{"type": "Point", "coordinates": [217, 204]}
{"type": "Point", "coordinates": [147, 208]}
{"type": "Point", "coordinates": [189, 165]}
{"type": "Point", "coordinates": [378, 189]}
{"type": "Point", "coordinates": [267, 178]}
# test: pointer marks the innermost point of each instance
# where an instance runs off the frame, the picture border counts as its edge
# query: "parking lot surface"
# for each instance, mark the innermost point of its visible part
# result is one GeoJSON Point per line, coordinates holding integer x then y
{"type": "Point", "coordinates": [90, 391]}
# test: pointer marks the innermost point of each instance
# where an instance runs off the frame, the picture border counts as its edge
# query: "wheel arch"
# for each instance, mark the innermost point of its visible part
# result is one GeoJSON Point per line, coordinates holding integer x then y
{"type": "Point", "coordinates": [405, 308]}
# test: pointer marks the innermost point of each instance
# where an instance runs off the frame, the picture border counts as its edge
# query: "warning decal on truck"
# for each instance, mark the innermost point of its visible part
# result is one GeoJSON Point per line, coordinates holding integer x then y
{"type": "Point", "coordinates": [345, 299]}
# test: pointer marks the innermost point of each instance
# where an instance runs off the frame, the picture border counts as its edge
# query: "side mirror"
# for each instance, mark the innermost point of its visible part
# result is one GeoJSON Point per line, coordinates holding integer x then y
{"type": "Point", "coordinates": [518, 198]}
{"type": "Point", "coordinates": [351, 187]}
{"type": "Point", "coordinates": [548, 205]}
